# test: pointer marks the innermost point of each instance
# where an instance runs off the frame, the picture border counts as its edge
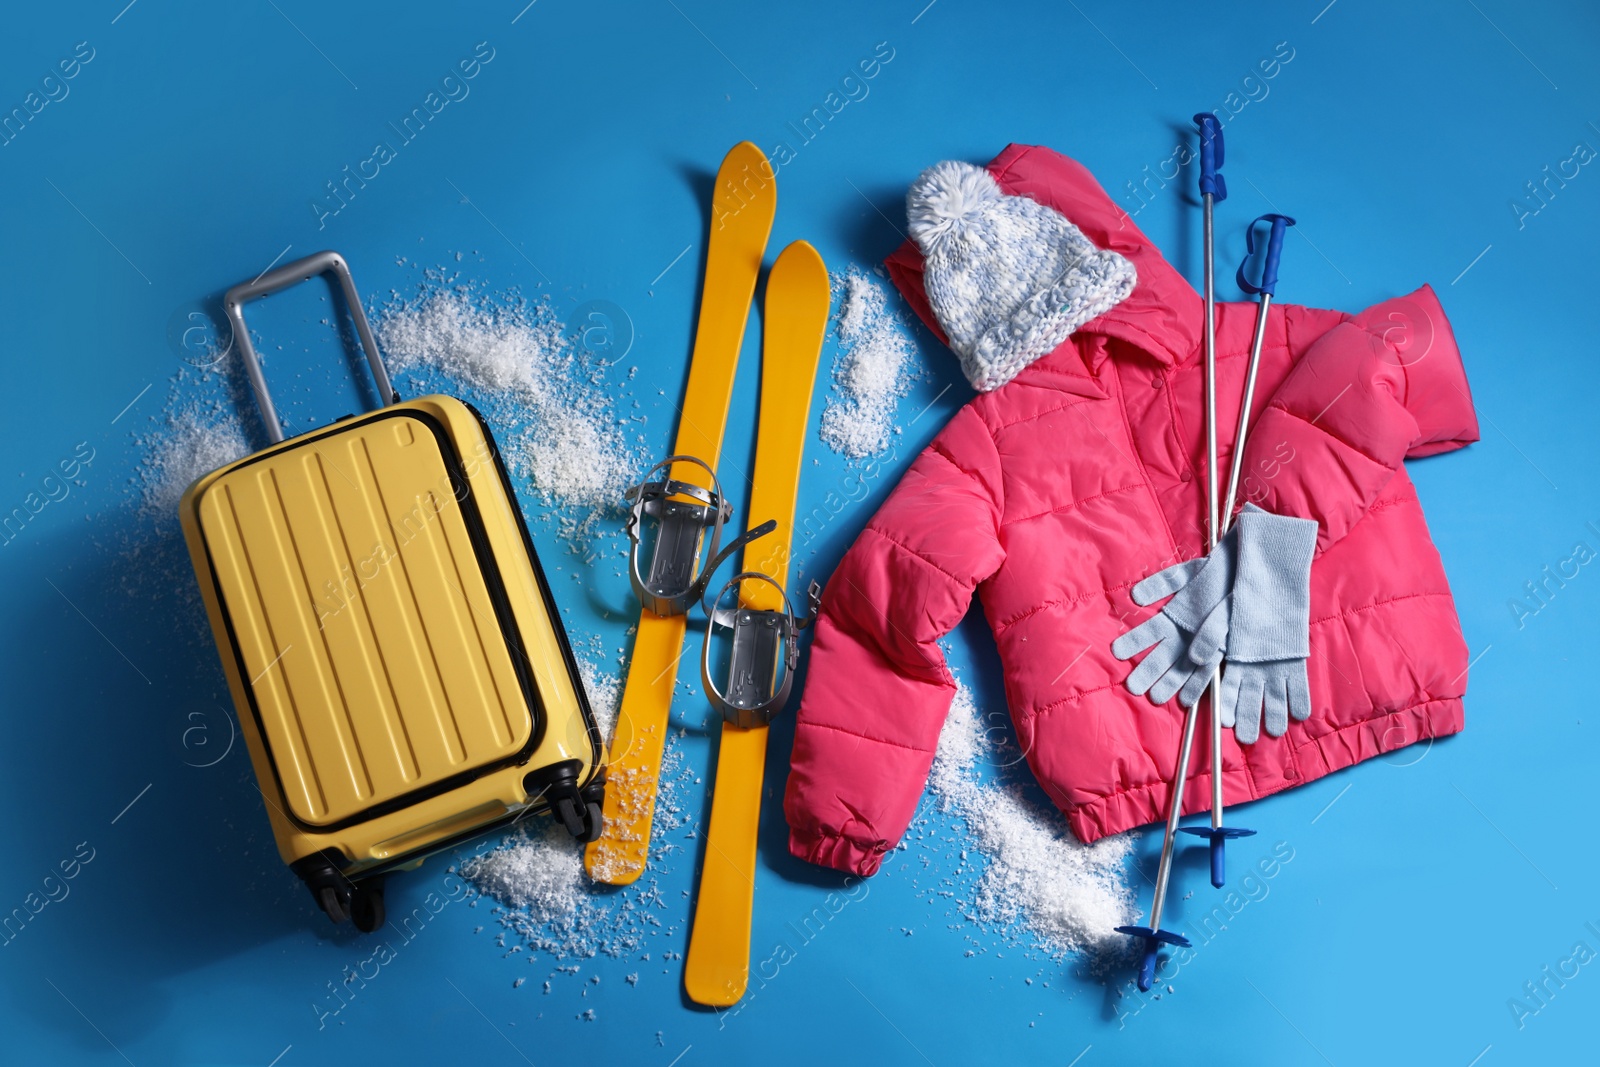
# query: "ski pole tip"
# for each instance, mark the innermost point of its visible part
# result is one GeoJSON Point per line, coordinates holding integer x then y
{"type": "Point", "coordinates": [1218, 838]}
{"type": "Point", "coordinates": [1147, 968]}
{"type": "Point", "coordinates": [1153, 940]}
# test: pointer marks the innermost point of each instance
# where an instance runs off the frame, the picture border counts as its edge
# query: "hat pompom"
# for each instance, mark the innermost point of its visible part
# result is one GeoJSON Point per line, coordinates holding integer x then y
{"type": "Point", "coordinates": [945, 195]}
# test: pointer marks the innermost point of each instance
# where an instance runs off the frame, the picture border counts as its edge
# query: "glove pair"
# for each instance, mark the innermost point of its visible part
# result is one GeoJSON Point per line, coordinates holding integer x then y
{"type": "Point", "coordinates": [1249, 602]}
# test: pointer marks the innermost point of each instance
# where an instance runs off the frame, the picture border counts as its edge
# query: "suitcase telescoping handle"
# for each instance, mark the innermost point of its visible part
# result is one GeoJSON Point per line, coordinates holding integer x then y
{"type": "Point", "coordinates": [282, 278]}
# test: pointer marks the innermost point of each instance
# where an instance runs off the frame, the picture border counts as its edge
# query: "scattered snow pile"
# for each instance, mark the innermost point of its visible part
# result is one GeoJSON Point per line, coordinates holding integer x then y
{"type": "Point", "coordinates": [548, 904]}
{"type": "Point", "coordinates": [545, 393]}
{"type": "Point", "coordinates": [551, 907]}
{"type": "Point", "coordinates": [537, 871]}
{"type": "Point", "coordinates": [603, 687]}
{"type": "Point", "coordinates": [499, 349]}
{"type": "Point", "coordinates": [575, 459]}
{"type": "Point", "coordinates": [954, 776]}
{"type": "Point", "coordinates": [1071, 895]}
{"type": "Point", "coordinates": [873, 369]}
{"type": "Point", "coordinates": [196, 430]}
{"type": "Point", "coordinates": [192, 444]}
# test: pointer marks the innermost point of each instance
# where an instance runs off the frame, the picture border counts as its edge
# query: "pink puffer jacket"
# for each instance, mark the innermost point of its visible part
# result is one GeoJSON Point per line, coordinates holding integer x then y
{"type": "Point", "coordinates": [1051, 496]}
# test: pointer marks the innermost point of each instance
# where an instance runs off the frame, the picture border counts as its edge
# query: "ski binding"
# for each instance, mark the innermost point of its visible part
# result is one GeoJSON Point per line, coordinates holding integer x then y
{"type": "Point", "coordinates": [764, 643]}
{"type": "Point", "coordinates": [672, 585]}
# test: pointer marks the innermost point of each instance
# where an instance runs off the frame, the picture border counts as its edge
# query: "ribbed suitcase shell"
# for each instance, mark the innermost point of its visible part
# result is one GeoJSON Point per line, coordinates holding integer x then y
{"type": "Point", "coordinates": [389, 638]}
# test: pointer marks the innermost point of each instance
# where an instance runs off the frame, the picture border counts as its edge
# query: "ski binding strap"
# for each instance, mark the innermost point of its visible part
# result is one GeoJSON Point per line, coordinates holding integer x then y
{"type": "Point", "coordinates": [756, 693]}
{"type": "Point", "coordinates": [672, 584]}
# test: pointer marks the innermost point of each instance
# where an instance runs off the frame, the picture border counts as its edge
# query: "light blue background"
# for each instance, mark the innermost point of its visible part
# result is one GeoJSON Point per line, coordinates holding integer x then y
{"type": "Point", "coordinates": [1426, 888]}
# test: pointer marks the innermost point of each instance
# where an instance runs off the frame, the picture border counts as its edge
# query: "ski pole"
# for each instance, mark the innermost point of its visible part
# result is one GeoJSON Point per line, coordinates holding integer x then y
{"type": "Point", "coordinates": [1213, 189]}
{"type": "Point", "coordinates": [1154, 936]}
{"type": "Point", "coordinates": [1216, 833]}
{"type": "Point", "coordinates": [1266, 290]}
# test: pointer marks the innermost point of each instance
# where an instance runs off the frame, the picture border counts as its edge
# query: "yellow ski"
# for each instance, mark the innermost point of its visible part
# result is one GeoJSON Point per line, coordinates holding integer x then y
{"type": "Point", "coordinates": [795, 315]}
{"type": "Point", "coordinates": [742, 208]}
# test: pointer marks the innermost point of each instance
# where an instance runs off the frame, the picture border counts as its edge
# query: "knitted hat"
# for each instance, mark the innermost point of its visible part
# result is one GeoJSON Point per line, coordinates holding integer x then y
{"type": "Point", "coordinates": [1008, 278]}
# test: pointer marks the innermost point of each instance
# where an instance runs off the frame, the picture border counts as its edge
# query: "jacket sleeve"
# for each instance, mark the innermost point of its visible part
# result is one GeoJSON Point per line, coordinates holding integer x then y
{"type": "Point", "coordinates": [1373, 391]}
{"type": "Point", "coordinates": [877, 689]}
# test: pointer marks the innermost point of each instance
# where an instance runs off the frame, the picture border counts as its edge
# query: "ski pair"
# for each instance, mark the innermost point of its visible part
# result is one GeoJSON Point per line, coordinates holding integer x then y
{"type": "Point", "coordinates": [679, 511]}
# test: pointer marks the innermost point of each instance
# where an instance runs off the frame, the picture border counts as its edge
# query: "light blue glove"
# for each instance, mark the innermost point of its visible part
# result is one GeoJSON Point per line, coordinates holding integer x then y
{"type": "Point", "coordinates": [1197, 614]}
{"type": "Point", "coordinates": [1269, 634]}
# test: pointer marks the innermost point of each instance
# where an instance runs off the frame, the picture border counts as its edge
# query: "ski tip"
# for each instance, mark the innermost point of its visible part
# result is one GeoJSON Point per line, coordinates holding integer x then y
{"type": "Point", "coordinates": [801, 249]}
{"type": "Point", "coordinates": [745, 164]}
{"type": "Point", "coordinates": [745, 153]}
{"type": "Point", "coordinates": [800, 262]}
{"type": "Point", "coordinates": [745, 197]}
{"type": "Point", "coordinates": [745, 148]}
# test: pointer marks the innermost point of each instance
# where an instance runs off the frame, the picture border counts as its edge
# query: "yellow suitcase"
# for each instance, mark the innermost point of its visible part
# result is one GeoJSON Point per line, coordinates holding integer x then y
{"type": "Point", "coordinates": [399, 667]}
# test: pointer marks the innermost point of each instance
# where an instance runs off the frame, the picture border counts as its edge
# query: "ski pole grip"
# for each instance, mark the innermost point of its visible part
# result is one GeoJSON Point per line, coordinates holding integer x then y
{"type": "Point", "coordinates": [1211, 183]}
{"type": "Point", "coordinates": [1269, 267]}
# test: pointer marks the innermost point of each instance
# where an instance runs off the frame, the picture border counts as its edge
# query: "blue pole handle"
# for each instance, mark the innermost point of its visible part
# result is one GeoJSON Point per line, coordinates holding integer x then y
{"type": "Point", "coordinates": [1211, 157]}
{"type": "Point", "coordinates": [1269, 269]}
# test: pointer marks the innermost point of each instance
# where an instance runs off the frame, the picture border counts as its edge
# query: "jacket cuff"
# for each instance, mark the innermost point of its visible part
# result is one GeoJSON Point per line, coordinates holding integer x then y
{"type": "Point", "coordinates": [840, 853]}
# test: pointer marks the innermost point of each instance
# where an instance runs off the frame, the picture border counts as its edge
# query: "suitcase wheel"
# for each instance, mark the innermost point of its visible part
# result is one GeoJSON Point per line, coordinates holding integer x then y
{"type": "Point", "coordinates": [361, 904]}
{"type": "Point", "coordinates": [366, 908]}
{"type": "Point", "coordinates": [332, 906]}
{"type": "Point", "coordinates": [577, 808]}
{"type": "Point", "coordinates": [581, 818]}
{"type": "Point", "coordinates": [340, 898]}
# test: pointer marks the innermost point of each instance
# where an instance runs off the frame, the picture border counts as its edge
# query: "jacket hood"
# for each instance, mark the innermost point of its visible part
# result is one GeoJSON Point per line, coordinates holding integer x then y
{"type": "Point", "coordinates": [1161, 316]}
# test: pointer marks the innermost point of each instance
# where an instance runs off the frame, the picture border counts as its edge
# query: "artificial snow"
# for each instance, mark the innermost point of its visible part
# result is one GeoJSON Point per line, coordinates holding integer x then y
{"type": "Point", "coordinates": [874, 367]}
{"type": "Point", "coordinates": [1071, 895]}
{"type": "Point", "coordinates": [604, 690]}
{"type": "Point", "coordinates": [537, 871]}
{"type": "Point", "coordinates": [193, 443]}
{"type": "Point", "coordinates": [537, 874]}
{"type": "Point", "coordinates": [547, 397]}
